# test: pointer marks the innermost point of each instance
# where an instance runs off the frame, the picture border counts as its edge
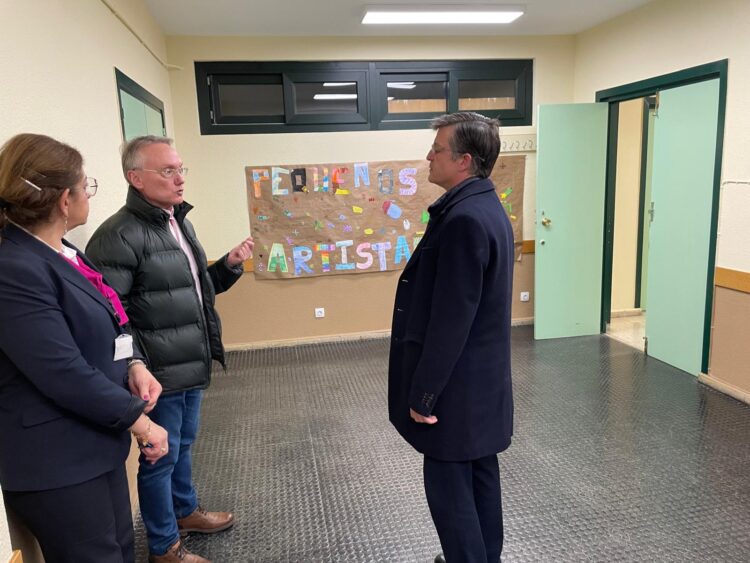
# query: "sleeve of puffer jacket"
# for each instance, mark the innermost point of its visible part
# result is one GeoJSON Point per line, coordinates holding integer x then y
{"type": "Point", "coordinates": [222, 275]}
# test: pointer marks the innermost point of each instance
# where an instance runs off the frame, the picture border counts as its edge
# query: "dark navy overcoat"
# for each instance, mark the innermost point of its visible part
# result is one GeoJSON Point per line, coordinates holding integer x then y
{"type": "Point", "coordinates": [450, 340]}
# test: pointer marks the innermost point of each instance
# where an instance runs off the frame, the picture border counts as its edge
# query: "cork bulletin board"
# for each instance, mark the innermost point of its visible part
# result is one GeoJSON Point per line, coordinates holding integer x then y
{"type": "Point", "coordinates": [352, 218]}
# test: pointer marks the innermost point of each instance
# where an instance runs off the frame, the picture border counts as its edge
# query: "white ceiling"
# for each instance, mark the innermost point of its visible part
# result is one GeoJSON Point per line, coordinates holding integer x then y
{"type": "Point", "coordinates": [342, 17]}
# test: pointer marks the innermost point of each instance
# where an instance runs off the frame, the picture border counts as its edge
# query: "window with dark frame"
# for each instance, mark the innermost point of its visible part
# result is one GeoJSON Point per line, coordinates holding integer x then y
{"type": "Point", "coordinates": [141, 113]}
{"type": "Point", "coordinates": [292, 97]}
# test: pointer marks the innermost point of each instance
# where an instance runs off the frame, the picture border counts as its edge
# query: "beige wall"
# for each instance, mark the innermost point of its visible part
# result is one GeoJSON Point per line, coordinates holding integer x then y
{"type": "Point", "coordinates": [669, 35]}
{"type": "Point", "coordinates": [259, 311]}
{"type": "Point", "coordinates": [627, 196]}
{"type": "Point", "coordinates": [57, 60]}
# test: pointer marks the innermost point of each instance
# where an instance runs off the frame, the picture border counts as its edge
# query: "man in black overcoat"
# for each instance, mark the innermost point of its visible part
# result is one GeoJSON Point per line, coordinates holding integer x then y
{"type": "Point", "coordinates": [449, 383]}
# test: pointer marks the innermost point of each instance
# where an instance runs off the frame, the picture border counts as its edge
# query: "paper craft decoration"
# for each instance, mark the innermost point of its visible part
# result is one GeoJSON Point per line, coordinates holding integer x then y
{"type": "Point", "coordinates": [352, 218]}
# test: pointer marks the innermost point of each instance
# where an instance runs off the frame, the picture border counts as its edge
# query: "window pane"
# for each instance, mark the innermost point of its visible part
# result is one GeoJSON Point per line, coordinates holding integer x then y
{"type": "Point", "coordinates": [417, 97]}
{"type": "Point", "coordinates": [325, 97]}
{"type": "Point", "coordinates": [154, 121]}
{"type": "Point", "coordinates": [486, 94]}
{"type": "Point", "coordinates": [251, 99]}
{"type": "Point", "coordinates": [133, 116]}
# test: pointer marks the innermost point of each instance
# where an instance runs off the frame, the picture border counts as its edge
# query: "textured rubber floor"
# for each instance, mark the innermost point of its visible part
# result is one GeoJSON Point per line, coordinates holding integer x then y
{"type": "Point", "coordinates": [616, 457]}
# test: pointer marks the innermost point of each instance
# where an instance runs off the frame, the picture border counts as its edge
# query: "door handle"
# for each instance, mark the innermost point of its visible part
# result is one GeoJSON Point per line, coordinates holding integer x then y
{"type": "Point", "coordinates": [546, 221]}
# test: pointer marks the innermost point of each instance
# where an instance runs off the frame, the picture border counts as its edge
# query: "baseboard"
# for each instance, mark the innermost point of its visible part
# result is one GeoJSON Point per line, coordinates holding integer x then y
{"type": "Point", "coordinates": [627, 313]}
{"type": "Point", "coordinates": [725, 388]}
{"type": "Point", "coordinates": [368, 335]}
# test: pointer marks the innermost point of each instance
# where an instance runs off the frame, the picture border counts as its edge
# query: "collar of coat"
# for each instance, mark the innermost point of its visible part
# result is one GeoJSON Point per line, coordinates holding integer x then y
{"type": "Point", "coordinates": [469, 187]}
{"type": "Point", "coordinates": [137, 204]}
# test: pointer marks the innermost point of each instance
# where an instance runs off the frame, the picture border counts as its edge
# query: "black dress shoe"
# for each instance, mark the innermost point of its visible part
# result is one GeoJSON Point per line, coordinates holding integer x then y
{"type": "Point", "coordinates": [440, 558]}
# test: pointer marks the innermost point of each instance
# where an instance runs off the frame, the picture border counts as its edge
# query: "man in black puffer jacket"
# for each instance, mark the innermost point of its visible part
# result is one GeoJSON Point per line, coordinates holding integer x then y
{"type": "Point", "coordinates": [150, 255]}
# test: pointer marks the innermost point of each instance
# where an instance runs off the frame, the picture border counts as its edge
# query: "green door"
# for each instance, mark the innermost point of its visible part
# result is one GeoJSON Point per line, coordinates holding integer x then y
{"type": "Point", "coordinates": [680, 236]}
{"type": "Point", "coordinates": [571, 169]}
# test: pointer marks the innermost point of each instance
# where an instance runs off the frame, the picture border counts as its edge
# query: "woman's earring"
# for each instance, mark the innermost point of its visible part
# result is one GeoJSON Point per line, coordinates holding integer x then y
{"type": "Point", "coordinates": [65, 226]}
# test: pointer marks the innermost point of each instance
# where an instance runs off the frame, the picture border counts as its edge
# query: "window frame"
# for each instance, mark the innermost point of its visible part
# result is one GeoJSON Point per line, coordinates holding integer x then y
{"type": "Point", "coordinates": [128, 85]}
{"type": "Point", "coordinates": [388, 120]}
{"type": "Point", "coordinates": [293, 118]}
{"type": "Point", "coordinates": [372, 93]}
{"type": "Point", "coordinates": [244, 79]}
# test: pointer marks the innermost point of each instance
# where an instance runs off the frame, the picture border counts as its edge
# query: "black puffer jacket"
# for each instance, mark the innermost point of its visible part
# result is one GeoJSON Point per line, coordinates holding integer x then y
{"type": "Point", "coordinates": [140, 258]}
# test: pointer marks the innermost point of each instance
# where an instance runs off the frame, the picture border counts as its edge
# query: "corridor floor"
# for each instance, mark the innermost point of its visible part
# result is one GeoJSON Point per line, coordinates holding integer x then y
{"type": "Point", "coordinates": [616, 457]}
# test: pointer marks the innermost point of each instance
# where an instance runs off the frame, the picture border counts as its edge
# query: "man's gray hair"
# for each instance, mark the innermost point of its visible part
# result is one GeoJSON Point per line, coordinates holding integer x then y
{"type": "Point", "coordinates": [475, 135]}
{"type": "Point", "coordinates": [131, 151]}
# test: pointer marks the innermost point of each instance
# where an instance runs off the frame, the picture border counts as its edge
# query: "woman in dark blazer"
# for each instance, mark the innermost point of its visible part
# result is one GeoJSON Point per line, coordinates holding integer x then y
{"type": "Point", "coordinates": [71, 385]}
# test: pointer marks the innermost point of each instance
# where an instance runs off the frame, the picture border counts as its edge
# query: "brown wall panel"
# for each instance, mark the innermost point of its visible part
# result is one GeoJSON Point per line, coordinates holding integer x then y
{"type": "Point", "coordinates": [261, 311]}
{"type": "Point", "coordinates": [730, 353]}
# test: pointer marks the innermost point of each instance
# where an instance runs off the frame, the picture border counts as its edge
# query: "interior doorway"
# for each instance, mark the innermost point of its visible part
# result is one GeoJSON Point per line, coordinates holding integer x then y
{"type": "Point", "coordinates": [633, 211]}
{"type": "Point", "coordinates": [682, 214]}
{"type": "Point", "coordinates": [576, 180]}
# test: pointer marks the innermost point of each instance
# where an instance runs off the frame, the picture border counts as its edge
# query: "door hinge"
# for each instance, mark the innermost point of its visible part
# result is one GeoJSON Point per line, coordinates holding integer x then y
{"type": "Point", "coordinates": [656, 105]}
{"type": "Point", "coordinates": [651, 213]}
{"type": "Point", "coordinates": [211, 115]}
{"type": "Point", "coordinates": [208, 80]}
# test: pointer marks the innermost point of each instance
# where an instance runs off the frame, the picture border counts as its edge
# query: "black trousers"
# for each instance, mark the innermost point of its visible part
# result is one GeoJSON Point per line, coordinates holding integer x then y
{"type": "Point", "coordinates": [86, 523]}
{"type": "Point", "coordinates": [466, 507]}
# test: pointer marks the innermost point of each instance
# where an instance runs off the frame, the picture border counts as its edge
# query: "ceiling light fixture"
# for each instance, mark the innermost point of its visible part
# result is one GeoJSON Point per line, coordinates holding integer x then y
{"type": "Point", "coordinates": [442, 14]}
{"type": "Point", "coordinates": [338, 84]}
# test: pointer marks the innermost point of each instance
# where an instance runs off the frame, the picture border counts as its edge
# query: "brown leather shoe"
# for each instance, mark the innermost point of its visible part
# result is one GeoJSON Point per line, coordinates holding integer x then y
{"type": "Point", "coordinates": [204, 522]}
{"type": "Point", "coordinates": [177, 554]}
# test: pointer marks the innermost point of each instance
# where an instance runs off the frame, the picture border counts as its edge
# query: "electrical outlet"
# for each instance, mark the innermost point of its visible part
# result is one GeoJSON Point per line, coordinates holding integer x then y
{"type": "Point", "coordinates": [320, 312]}
{"type": "Point", "coordinates": [524, 296]}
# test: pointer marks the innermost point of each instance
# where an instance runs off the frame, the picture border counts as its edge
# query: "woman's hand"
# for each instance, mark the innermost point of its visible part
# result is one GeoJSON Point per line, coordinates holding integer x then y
{"type": "Point", "coordinates": [159, 444]}
{"type": "Point", "coordinates": [144, 385]}
{"type": "Point", "coordinates": [152, 439]}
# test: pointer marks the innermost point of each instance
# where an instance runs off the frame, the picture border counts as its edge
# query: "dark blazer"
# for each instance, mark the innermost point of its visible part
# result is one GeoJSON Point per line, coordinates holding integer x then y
{"type": "Point", "coordinates": [64, 402]}
{"type": "Point", "coordinates": [450, 340]}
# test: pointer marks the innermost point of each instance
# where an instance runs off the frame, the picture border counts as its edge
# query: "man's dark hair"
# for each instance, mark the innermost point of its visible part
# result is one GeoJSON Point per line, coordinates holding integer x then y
{"type": "Point", "coordinates": [473, 134]}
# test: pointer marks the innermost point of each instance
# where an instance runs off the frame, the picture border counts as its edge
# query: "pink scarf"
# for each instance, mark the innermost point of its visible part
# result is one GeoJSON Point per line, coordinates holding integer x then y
{"type": "Point", "coordinates": [97, 281]}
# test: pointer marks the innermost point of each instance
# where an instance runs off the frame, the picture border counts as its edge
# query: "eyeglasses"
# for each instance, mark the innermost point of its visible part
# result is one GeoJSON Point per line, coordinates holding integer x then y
{"type": "Point", "coordinates": [167, 172]}
{"type": "Point", "coordinates": [91, 186]}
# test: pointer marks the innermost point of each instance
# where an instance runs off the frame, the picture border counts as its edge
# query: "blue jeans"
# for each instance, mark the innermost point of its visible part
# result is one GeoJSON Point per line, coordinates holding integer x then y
{"type": "Point", "coordinates": [165, 489]}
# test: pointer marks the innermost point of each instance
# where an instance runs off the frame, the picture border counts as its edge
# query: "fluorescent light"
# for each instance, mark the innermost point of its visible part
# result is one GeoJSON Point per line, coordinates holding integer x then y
{"type": "Point", "coordinates": [402, 85]}
{"type": "Point", "coordinates": [338, 84]}
{"type": "Point", "coordinates": [335, 97]}
{"type": "Point", "coordinates": [416, 15]}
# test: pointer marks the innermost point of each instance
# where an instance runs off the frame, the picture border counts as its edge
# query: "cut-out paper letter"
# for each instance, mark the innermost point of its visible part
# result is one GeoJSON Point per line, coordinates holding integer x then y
{"type": "Point", "coordinates": [276, 181]}
{"type": "Point", "coordinates": [345, 264]}
{"type": "Point", "coordinates": [406, 177]}
{"type": "Point", "coordinates": [385, 181]}
{"type": "Point", "coordinates": [277, 258]}
{"type": "Point", "coordinates": [380, 248]}
{"type": "Point", "coordinates": [363, 252]}
{"type": "Point", "coordinates": [361, 174]}
{"type": "Point", "coordinates": [302, 255]}
{"type": "Point", "coordinates": [299, 179]}
{"type": "Point", "coordinates": [259, 174]}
